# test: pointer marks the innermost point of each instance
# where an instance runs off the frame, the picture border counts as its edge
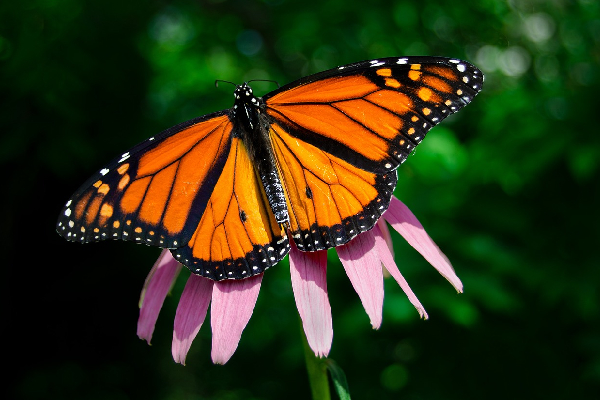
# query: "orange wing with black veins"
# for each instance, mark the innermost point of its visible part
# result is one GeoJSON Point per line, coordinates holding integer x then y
{"type": "Point", "coordinates": [155, 193]}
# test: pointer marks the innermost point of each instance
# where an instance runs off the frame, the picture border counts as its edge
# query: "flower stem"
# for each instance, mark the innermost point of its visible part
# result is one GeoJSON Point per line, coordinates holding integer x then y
{"type": "Point", "coordinates": [317, 372]}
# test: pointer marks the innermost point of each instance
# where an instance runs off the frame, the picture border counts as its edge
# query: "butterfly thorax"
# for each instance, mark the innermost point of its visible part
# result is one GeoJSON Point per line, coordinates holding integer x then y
{"type": "Point", "coordinates": [252, 126]}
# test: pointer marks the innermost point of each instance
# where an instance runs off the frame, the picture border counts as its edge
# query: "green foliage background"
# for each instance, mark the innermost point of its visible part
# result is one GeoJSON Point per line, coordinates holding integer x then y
{"type": "Point", "coordinates": [508, 188]}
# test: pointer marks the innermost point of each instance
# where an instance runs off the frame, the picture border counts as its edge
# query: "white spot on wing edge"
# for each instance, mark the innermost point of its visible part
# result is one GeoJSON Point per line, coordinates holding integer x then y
{"type": "Point", "coordinates": [402, 61]}
{"type": "Point", "coordinates": [104, 171]}
{"type": "Point", "coordinates": [376, 63]}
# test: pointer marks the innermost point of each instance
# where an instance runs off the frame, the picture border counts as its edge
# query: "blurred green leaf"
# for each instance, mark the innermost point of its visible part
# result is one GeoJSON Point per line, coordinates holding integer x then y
{"type": "Point", "coordinates": [339, 379]}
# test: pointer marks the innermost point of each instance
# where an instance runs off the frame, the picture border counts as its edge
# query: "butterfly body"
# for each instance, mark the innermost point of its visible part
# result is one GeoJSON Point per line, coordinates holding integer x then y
{"type": "Point", "coordinates": [313, 161]}
{"type": "Point", "coordinates": [251, 124]}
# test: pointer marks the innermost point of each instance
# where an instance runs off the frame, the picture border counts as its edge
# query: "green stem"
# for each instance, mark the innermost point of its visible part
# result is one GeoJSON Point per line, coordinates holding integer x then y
{"type": "Point", "coordinates": [317, 371]}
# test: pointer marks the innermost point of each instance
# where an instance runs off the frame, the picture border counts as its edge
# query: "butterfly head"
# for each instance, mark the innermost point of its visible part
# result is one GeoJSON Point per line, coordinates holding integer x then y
{"type": "Point", "coordinates": [245, 106]}
{"type": "Point", "coordinates": [243, 93]}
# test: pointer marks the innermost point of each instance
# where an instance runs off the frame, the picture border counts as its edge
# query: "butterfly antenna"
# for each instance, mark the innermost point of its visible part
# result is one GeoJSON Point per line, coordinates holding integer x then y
{"type": "Point", "coordinates": [265, 80]}
{"type": "Point", "coordinates": [221, 80]}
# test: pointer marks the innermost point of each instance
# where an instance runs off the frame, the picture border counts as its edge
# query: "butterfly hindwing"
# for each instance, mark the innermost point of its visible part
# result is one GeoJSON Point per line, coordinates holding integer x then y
{"type": "Point", "coordinates": [156, 192]}
{"type": "Point", "coordinates": [237, 236]}
{"type": "Point", "coordinates": [329, 200]}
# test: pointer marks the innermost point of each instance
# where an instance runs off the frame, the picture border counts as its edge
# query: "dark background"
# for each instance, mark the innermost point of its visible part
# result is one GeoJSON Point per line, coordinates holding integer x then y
{"type": "Point", "coordinates": [508, 188]}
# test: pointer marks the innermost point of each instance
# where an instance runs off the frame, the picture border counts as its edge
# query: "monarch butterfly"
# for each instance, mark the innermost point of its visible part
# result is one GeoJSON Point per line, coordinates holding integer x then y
{"type": "Point", "coordinates": [313, 161]}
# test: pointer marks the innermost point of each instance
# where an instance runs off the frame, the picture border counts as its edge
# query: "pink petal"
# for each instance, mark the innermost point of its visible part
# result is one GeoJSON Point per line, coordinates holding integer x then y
{"type": "Point", "coordinates": [190, 315]}
{"type": "Point", "coordinates": [363, 267]}
{"type": "Point", "coordinates": [385, 233]}
{"type": "Point", "coordinates": [388, 261]}
{"type": "Point", "coordinates": [404, 221]}
{"type": "Point", "coordinates": [156, 287]}
{"type": "Point", "coordinates": [309, 282]}
{"type": "Point", "coordinates": [232, 305]}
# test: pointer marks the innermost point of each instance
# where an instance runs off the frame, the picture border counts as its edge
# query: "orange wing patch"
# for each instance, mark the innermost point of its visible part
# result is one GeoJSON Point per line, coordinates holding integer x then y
{"type": "Point", "coordinates": [237, 236]}
{"type": "Point", "coordinates": [155, 193]}
{"type": "Point", "coordinates": [329, 122]}
{"type": "Point", "coordinates": [329, 200]}
{"type": "Point", "coordinates": [326, 91]}
{"type": "Point", "coordinates": [374, 118]}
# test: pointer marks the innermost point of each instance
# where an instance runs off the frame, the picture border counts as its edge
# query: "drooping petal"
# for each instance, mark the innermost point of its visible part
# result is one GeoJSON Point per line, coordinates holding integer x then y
{"type": "Point", "coordinates": [191, 312]}
{"type": "Point", "coordinates": [232, 305]}
{"type": "Point", "coordinates": [406, 224]}
{"type": "Point", "coordinates": [385, 233]}
{"type": "Point", "coordinates": [363, 267]}
{"type": "Point", "coordinates": [156, 287]}
{"type": "Point", "coordinates": [309, 283]}
{"type": "Point", "coordinates": [388, 261]}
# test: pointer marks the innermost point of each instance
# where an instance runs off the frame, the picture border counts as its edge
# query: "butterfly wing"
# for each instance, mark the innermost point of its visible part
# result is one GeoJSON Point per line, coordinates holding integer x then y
{"type": "Point", "coordinates": [155, 193]}
{"type": "Point", "coordinates": [238, 235]}
{"type": "Point", "coordinates": [339, 135]}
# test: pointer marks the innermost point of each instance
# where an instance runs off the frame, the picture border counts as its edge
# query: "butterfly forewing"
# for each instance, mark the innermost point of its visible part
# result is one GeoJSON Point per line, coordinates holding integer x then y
{"type": "Point", "coordinates": [155, 193]}
{"type": "Point", "coordinates": [372, 114]}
